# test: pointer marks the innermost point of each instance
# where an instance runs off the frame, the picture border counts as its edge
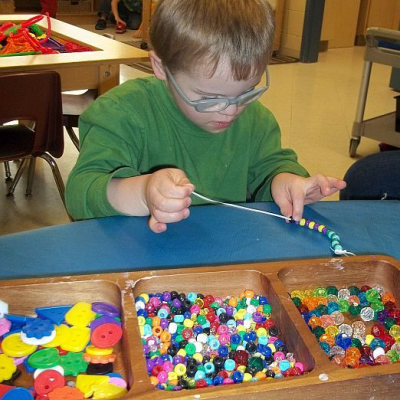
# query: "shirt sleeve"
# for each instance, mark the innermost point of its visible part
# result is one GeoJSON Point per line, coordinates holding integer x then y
{"type": "Point", "coordinates": [268, 157]}
{"type": "Point", "coordinates": [110, 141]}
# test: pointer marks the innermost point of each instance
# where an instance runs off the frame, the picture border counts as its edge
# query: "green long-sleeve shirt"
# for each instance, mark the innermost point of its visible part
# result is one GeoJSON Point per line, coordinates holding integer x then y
{"type": "Point", "coordinates": [136, 128]}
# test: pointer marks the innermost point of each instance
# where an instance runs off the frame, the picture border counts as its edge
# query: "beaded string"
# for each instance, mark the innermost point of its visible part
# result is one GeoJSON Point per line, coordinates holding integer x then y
{"type": "Point", "coordinates": [336, 246]}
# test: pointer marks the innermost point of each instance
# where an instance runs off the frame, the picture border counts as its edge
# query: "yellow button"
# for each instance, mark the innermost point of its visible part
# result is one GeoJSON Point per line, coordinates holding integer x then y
{"type": "Point", "coordinates": [78, 340]}
{"type": "Point", "coordinates": [98, 352]}
{"type": "Point", "coordinates": [62, 336]}
{"type": "Point", "coordinates": [109, 391]}
{"type": "Point", "coordinates": [88, 383]}
{"type": "Point", "coordinates": [7, 367]}
{"type": "Point", "coordinates": [80, 314]}
{"type": "Point", "coordinates": [13, 346]}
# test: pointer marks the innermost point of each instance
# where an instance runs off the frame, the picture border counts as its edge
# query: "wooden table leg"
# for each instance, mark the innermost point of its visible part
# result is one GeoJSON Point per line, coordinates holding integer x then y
{"type": "Point", "coordinates": [108, 77]}
{"type": "Point", "coordinates": [146, 19]}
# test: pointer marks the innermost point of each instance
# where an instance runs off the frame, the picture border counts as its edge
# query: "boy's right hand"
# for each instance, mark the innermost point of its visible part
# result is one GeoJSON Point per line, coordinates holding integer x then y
{"type": "Point", "coordinates": [164, 195]}
{"type": "Point", "coordinates": [167, 196]}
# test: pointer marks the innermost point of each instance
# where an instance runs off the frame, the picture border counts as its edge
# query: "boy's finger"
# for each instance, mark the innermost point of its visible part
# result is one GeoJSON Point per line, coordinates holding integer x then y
{"type": "Point", "coordinates": [155, 226]}
{"type": "Point", "coordinates": [297, 203]}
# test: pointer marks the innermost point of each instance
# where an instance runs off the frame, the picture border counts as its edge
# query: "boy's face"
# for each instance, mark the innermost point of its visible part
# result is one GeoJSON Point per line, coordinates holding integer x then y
{"type": "Point", "coordinates": [200, 86]}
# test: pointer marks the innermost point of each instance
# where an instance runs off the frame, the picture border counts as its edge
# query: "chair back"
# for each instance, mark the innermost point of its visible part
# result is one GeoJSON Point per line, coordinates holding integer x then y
{"type": "Point", "coordinates": [35, 96]}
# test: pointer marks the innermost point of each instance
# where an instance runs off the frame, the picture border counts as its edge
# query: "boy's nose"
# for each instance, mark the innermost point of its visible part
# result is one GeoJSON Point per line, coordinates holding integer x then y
{"type": "Point", "coordinates": [230, 110]}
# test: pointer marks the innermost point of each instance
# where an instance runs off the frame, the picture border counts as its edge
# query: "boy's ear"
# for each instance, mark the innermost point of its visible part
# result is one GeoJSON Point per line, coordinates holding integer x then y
{"type": "Point", "coordinates": [157, 66]}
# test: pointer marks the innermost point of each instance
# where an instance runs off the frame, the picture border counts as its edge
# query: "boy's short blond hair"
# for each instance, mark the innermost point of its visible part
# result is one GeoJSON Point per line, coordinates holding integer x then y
{"type": "Point", "coordinates": [186, 34]}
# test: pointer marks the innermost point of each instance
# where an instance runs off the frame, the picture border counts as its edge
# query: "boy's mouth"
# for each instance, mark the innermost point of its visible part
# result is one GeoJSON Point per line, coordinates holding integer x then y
{"type": "Point", "coordinates": [223, 124]}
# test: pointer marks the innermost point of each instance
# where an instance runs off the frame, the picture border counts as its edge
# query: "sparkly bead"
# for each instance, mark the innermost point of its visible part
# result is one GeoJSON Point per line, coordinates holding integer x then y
{"type": "Point", "coordinates": [343, 341]}
{"type": "Point", "coordinates": [333, 306]}
{"type": "Point", "coordinates": [337, 317]}
{"type": "Point", "coordinates": [394, 331]}
{"type": "Point", "coordinates": [346, 329]}
{"type": "Point", "coordinates": [372, 295]}
{"type": "Point", "coordinates": [355, 309]}
{"type": "Point", "coordinates": [367, 314]}
{"type": "Point", "coordinates": [337, 350]}
{"type": "Point", "coordinates": [325, 347]}
{"type": "Point", "coordinates": [351, 362]}
{"type": "Point", "coordinates": [332, 330]}
{"type": "Point", "coordinates": [376, 342]}
{"type": "Point", "coordinates": [343, 294]}
{"type": "Point", "coordinates": [343, 305]}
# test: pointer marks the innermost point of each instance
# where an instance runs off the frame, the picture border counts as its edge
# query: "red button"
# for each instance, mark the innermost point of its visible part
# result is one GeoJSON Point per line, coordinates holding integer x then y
{"type": "Point", "coordinates": [106, 335]}
{"type": "Point", "coordinates": [47, 381]}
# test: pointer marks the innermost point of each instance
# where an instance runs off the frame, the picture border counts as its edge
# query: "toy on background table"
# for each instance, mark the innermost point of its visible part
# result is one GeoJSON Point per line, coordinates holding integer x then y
{"type": "Point", "coordinates": [336, 246]}
{"type": "Point", "coordinates": [26, 38]}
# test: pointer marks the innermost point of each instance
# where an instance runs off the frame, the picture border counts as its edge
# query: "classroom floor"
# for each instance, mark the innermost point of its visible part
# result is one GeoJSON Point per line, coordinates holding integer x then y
{"type": "Point", "coordinates": [314, 103]}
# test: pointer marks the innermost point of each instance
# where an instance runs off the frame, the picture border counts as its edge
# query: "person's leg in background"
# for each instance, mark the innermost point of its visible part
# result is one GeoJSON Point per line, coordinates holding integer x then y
{"type": "Point", "coordinates": [49, 6]}
{"type": "Point", "coordinates": [375, 177]}
{"type": "Point", "coordinates": [133, 13]}
{"type": "Point", "coordinates": [104, 14]}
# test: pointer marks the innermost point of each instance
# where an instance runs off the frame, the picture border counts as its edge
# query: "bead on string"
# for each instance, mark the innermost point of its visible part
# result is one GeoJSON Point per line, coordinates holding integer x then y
{"type": "Point", "coordinates": [336, 245]}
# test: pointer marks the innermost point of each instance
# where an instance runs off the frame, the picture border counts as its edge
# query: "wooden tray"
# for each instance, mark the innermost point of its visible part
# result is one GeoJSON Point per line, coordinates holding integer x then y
{"type": "Point", "coordinates": [274, 280]}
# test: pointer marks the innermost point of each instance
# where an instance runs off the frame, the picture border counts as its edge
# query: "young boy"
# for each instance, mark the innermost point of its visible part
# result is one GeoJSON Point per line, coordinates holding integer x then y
{"type": "Point", "coordinates": [147, 144]}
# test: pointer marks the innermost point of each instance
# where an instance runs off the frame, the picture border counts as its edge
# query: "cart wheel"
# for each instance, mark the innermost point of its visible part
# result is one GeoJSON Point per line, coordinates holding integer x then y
{"type": "Point", "coordinates": [353, 146]}
{"type": "Point", "coordinates": [143, 45]}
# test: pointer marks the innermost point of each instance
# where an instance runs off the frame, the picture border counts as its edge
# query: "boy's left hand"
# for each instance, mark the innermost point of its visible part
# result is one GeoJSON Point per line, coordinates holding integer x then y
{"type": "Point", "coordinates": [290, 192]}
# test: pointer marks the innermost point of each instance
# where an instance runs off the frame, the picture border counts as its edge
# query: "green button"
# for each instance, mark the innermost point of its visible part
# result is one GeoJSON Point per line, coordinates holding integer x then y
{"type": "Point", "coordinates": [44, 359]}
{"type": "Point", "coordinates": [73, 364]}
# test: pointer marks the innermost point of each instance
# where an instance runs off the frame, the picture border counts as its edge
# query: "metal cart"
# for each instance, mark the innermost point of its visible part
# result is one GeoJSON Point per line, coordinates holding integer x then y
{"type": "Point", "coordinates": [383, 47]}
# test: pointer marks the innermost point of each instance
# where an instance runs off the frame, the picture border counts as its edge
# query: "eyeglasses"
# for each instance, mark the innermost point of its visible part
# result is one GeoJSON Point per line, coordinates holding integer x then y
{"type": "Point", "coordinates": [219, 103]}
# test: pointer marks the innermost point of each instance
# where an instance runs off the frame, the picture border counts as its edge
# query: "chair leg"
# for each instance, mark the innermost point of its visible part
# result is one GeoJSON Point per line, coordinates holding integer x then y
{"type": "Point", "coordinates": [31, 175]}
{"type": "Point", "coordinates": [57, 178]}
{"type": "Point", "coordinates": [8, 171]}
{"type": "Point", "coordinates": [17, 176]}
{"type": "Point", "coordinates": [73, 136]}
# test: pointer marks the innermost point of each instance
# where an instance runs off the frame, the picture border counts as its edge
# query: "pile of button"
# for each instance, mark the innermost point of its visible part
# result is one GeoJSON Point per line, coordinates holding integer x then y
{"type": "Point", "coordinates": [194, 340]}
{"type": "Point", "coordinates": [75, 341]}
{"type": "Point", "coordinates": [355, 327]}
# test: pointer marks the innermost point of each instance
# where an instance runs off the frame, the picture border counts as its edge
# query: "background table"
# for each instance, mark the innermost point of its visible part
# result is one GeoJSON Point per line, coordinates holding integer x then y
{"type": "Point", "coordinates": [213, 235]}
{"type": "Point", "coordinates": [99, 69]}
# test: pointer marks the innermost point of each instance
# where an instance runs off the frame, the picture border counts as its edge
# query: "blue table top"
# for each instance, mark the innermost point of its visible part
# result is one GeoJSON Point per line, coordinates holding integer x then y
{"type": "Point", "coordinates": [213, 235]}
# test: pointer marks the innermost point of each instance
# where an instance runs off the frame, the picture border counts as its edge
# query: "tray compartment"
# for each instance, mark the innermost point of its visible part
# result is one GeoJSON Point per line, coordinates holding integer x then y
{"type": "Point", "coordinates": [24, 298]}
{"type": "Point", "coordinates": [232, 283]}
{"type": "Point", "coordinates": [342, 275]}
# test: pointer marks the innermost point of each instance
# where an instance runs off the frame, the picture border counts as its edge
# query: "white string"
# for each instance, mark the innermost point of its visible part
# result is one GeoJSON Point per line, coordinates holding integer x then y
{"type": "Point", "coordinates": [241, 207]}
{"type": "Point", "coordinates": [342, 252]}
{"type": "Point", "coordinates": [338, 252]}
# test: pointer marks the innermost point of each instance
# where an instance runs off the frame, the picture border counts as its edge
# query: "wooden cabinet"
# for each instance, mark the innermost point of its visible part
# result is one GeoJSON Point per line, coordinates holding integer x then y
{"type": "Point", "coordinates": [76, 6]}
{"type": "Point", "coordinates": [377, 13]}
{"type": "Point", "coordinates": [340, 22]}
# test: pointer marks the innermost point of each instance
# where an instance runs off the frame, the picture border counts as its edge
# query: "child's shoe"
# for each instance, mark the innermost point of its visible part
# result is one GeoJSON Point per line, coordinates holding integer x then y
{"type": "Point", "coordinates": [101, 24]}
{"type": "Point", "coordinates": [121, 27]}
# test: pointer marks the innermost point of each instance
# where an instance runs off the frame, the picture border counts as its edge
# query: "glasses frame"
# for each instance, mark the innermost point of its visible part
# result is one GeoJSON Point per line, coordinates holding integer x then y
{"type": "Point", "coordinates": [199, 104]}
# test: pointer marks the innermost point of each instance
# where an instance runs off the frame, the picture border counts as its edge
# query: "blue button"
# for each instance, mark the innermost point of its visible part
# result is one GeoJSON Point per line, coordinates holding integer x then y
{"type": "Point", "coordinates": [18, 394]}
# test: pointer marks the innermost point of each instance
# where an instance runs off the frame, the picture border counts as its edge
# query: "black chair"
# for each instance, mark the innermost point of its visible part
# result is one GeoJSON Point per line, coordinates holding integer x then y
{"type": "Point", "coordinates": [73, 106]}
{"type": "Point", "coordinates": [33, 99]}
{"type": "Point", "coordinates": [375, 177]}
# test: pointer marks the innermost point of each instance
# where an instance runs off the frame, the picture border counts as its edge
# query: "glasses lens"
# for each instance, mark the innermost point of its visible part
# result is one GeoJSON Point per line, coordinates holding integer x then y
{"type": "Point", "coordinates": [250, 97]}
{"type": "Point", "coordinates": [211, 106]}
